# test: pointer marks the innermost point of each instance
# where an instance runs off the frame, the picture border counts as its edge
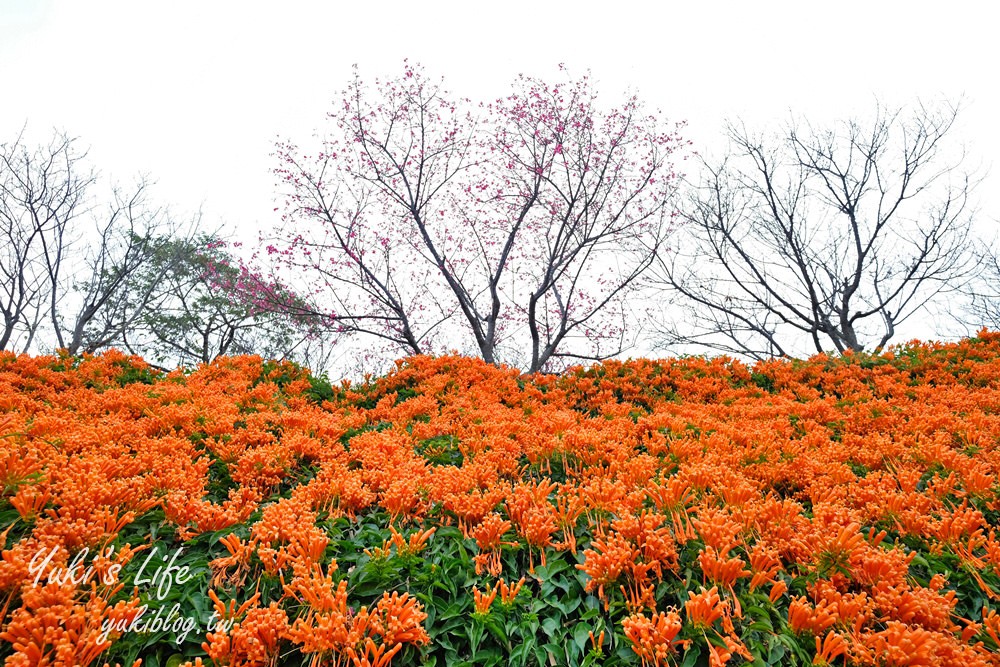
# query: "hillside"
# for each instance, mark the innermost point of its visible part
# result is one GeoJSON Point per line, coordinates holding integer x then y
{"type": "Point", "coordinates": [683, 512]}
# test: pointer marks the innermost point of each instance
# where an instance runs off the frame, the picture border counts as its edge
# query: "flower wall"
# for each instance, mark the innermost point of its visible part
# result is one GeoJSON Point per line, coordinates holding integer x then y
{"type": "Point", "coordinates": [684, 512]}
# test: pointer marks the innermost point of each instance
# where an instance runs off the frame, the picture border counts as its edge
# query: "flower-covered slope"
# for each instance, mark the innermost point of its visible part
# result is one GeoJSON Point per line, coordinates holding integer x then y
{"type": "Point", "coordinates": [688, 512]}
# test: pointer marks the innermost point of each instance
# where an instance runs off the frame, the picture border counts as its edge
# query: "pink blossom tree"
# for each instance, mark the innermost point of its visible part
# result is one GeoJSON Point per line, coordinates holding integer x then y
{"type": "Point", "coordinates": [518, 230]}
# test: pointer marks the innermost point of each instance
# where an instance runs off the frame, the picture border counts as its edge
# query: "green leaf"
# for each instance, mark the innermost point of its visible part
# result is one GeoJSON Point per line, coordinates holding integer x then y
{"type": "Point", "coordinates": [566, 605]}
{"type": "Point", "coordinates": [452, 611]}
{"type": "Point", "coordinates": [497, 630]}
{"type": "Point", "coordinates": [691, 655]}
{"type": "Point", "coordinates": [555, 567]}
{"type": "Point", "coordinates": [488, 658]}
{"type": "Point", "coordinates": [550, 626]}
{"type": "Point", "coordinates": [775, 652]}
{"type": "Point", "coordinates": [556, 651]}
{"type": "Point", "coordinates": [519, 656]}
{"type": "Point", "coordinates": [581, 635]}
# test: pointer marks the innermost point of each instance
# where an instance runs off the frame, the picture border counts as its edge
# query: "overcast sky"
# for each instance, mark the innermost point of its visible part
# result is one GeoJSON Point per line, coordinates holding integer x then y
{"type": "Point", "coordinates": [195, 93]}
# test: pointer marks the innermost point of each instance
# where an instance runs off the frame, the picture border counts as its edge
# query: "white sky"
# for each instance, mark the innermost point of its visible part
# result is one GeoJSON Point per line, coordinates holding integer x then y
{"type": "Point", "coordinates": [194, 93]}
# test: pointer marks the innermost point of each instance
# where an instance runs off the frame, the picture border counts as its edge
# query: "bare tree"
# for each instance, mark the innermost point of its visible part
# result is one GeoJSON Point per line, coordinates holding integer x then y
{"type": "Point", "coordinates": [982, 306]}
{"type": "Point", "coordinates": [128, 238]}
{"type": "Point", "coordinates": [821, 239]}
{"type": "Point", "coordinates": [514, 230]}
{"type": "Point", "coordinates": [69, 260]}
{"type": "Point", "coordinates": [42, 190]}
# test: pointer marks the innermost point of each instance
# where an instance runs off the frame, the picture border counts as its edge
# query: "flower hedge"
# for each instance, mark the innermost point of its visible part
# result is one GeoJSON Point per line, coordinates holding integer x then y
{"type": "Point", "coordinates": [684, 512]}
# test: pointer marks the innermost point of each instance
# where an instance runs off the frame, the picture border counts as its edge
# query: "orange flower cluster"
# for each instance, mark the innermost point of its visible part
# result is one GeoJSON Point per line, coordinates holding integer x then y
{"type": "Point", "coordinates": [484, 600]}
{"type": "Point", "coordinates": [653, 638]}
{"type": "Point", "coordinates": [830, 488]}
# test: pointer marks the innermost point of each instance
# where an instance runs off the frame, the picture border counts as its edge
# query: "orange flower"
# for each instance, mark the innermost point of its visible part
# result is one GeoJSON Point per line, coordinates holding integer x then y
{"type": "Point", "coordinates": [705, 608]}
{"type": "Point", "coordinates": [484, 600]}
{"type": "Point", "coordinates": [597, 643]}
{"type": "Point", "coordinates": [652, 638]}
{"type": "Point", "coordinates": [765, 564]}
{"type": "Point", "coordinates": [804, 618]}
{"type": "Point", "coordinates": [724, 572]}
{"type": "Point", "coordinates": [777, 590]}
{"type": "Point", "coordinates": [991, 623]}
{"type": "Point", "coordinates": [401, 620]}
{"type": "Point", "coordinates": [489, 538]}
{"type": "Point", "coordinates": [829, 649]}
{"type": "Point", "coordinates": [374, 655]}
{"type": "Point", "coordinates": [718, 656]}
{"type": "Point", "coordinates": [773, 468]}
{"type": "Point", "coordinates": [606, 562]}
{"type": "Point", "coordinates": [508, 593]}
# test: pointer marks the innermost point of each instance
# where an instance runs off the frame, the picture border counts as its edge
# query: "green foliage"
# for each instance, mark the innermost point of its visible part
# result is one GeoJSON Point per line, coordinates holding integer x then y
{"type": "Point", "coordinates": [441, 450]}
{"type": "Point", "coordinates": [764, 381]}
{"type": "Point", "coordinates": [320, 389]}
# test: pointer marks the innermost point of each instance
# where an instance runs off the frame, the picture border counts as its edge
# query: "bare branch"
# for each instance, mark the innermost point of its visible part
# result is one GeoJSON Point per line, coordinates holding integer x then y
{"type": "Point", "coordinates": [821, 238]}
